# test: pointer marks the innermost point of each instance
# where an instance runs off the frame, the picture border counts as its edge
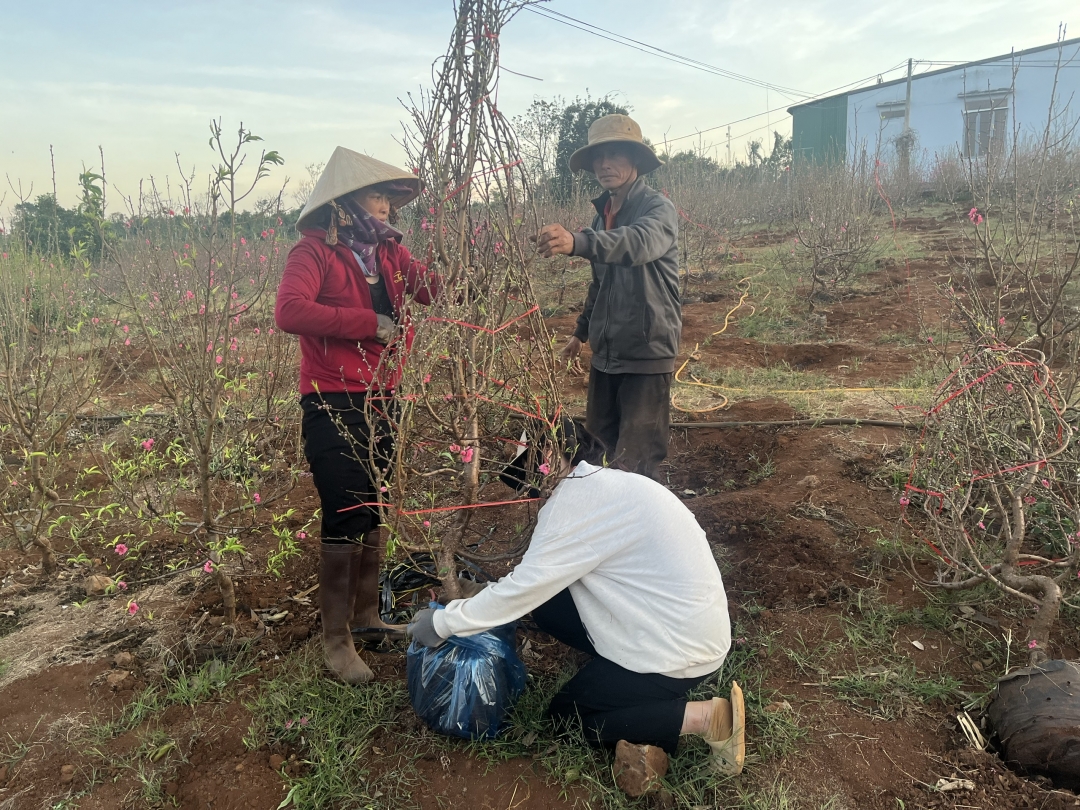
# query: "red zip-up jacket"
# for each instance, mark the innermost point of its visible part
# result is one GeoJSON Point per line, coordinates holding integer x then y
{"type": "Point", "coordinates": [325, 300]}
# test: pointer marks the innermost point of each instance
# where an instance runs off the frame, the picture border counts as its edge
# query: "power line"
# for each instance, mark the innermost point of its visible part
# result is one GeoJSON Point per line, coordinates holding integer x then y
{"type": "Point", "coordinates": [653, 50]}
{"type": "Point", "coordinates": [777, 109]}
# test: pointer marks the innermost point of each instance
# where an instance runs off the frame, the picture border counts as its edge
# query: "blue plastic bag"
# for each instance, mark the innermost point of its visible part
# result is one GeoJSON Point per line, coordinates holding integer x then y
{"type": "Point", "coordinates": [466, 687]}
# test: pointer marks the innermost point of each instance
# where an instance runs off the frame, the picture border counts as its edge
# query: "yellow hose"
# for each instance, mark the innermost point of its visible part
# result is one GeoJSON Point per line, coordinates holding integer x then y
{"type": "Point", "coordinates": [744, 285]}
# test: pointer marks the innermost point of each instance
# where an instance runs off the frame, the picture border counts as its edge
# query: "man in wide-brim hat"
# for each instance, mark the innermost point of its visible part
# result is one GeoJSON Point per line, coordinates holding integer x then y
{"type": "Point", "coordinates": [346, 291]}
{"type": "Point", "coordinates": [632, 316]}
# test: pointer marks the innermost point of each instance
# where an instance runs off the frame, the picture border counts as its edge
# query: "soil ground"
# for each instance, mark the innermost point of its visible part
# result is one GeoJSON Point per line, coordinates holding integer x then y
{"type": "Point", "coordinates": [854, 674]}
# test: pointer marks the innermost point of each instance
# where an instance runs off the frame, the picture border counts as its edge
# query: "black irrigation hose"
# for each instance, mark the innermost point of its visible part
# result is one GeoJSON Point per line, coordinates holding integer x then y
{"type": "Point", "coordinates": [847, 420]}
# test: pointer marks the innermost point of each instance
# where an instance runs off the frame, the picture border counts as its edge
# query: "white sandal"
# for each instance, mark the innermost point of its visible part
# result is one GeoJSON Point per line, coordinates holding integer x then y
{"type": "Point", "coordinates": [727, 733]}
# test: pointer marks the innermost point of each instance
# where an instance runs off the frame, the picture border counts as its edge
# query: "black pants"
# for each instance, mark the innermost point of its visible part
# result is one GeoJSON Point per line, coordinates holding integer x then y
{"type": "Point", "coordinates": [613, 703]}
{"type": "Point", "coordinates": [630, 413]}
{"type": "Point", "coordinates": [338, 441]}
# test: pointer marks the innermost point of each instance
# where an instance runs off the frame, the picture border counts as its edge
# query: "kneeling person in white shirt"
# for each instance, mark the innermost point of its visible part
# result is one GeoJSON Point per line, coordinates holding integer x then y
{"type": "Point", "coordinates": [619, 568]}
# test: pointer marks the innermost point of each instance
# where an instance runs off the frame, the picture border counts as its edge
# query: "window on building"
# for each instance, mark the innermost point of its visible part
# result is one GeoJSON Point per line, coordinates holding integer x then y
{"type": "Point", "coordinates": [888, 110]}
{"type": "Point", "coordinates": [986, 121]}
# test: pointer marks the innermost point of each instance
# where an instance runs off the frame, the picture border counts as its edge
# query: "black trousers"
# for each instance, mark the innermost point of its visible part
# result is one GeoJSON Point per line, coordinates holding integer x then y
{"type": "Point", "coordinates": [338, 442]}
{"type": "Point", "coordinates": [631, 414]}
{"type": "Point", "coordinates": [612, 702]}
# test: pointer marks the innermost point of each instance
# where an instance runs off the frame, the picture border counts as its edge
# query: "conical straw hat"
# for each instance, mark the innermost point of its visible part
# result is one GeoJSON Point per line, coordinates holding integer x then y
{"type": "Point", "coordinates": [615, 128]}
{"type": "Point", "coordinates": [348, 171]}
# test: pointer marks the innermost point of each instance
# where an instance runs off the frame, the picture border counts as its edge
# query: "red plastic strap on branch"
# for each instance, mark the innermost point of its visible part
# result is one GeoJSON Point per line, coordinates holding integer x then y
{"type": "Point", "coordinates": [411, 512]}
{"type": "Point", "coordinates": [993, 345]}
{"type": "Point", "coordinates": [976, 381]}
{"type": "Point", "coordinates": [467, 325]}
{"type": "Point", "coordinates": [538, 415]}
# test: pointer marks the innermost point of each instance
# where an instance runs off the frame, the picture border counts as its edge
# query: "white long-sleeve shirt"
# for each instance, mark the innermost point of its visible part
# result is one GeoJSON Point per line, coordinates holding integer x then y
{"type": "Point", "coordinates": [637, 564]}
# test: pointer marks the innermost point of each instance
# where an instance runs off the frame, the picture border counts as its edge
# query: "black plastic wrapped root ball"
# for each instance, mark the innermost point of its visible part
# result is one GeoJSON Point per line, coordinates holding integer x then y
{"type": "Point", "coordinates": [1036, 715]}
{"type": "Point", "coordinates": [466, 687]}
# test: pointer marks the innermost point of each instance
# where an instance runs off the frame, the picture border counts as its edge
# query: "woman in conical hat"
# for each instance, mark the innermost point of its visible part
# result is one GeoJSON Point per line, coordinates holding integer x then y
{"type": "Point", "coordinates": [345, 292]}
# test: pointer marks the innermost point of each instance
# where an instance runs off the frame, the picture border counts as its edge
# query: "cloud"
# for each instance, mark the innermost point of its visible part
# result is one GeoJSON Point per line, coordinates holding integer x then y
{"type": "Point", "coordinates": [142, 80]}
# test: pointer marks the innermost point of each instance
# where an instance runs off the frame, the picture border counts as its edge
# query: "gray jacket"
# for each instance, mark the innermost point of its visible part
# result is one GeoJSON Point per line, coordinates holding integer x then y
{"type": "Point", "coordinates": [632, 316]}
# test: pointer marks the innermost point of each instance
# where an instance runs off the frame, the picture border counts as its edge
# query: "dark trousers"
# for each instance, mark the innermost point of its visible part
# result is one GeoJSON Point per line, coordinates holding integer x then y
{"type": "Point", "coordinates": [613, 703]}
{"type": "Point", "coordinates": [339, 444]}
{"type": "Point", "coordinates": [630, 413]}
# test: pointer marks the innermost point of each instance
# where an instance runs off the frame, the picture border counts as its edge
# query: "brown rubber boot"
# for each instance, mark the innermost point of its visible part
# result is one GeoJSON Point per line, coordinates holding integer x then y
{"type": "Point", "coordinates": [365, 621]}
{"type": "Point", "coordinates": [335, 580]}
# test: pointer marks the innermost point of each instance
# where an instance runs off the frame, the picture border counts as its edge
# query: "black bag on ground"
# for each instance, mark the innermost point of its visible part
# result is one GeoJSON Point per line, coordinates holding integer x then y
{"type": "Point", "coordinates": [1036, 715]}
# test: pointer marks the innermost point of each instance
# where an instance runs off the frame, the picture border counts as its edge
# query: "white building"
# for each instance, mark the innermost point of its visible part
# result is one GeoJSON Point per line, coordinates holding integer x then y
{"type": "Point", "coordinates": [966, 109]}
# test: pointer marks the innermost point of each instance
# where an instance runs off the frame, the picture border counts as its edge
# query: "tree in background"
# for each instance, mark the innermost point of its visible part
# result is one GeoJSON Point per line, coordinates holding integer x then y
{"type": "Point", "coordinates": [574, 122]}
{"type": "Point", "coordinates": [538, 137]}
{"type": "Point", "coordinates": [778, 160]}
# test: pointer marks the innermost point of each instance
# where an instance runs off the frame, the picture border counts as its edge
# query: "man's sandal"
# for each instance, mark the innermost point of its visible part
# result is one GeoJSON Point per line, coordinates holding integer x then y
{"type": "Point", "coordinates": [726, 735]}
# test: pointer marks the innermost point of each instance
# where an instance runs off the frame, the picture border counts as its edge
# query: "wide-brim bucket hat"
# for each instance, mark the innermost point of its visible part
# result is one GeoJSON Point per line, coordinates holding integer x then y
{"type": "Point", "coordinates": [616, 129]}
{"type": "Point", "coordinates": [348, 171]}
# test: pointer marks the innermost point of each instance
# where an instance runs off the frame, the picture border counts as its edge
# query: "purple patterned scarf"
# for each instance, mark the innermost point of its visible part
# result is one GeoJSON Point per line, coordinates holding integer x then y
{"type": "Point", "coordinates": [359, 231]}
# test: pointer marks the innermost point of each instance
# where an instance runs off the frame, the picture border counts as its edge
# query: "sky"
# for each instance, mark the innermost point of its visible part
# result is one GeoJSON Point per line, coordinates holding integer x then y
{"type": "Point", "coordinates": [141, 81]}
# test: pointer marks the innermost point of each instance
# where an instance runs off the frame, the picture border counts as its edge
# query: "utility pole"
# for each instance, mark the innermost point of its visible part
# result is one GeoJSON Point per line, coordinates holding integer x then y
{"type": "Point", "coordinates": [729, 145]}
{"type": "Point", "coordinates": [905, 137]}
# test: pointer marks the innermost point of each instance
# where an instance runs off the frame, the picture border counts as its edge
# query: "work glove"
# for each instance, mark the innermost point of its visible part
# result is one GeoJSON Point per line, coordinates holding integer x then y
{"type": "Point", "coordinates": [422, 629]}
{"type": "Point", "coordinates": [386, 329]}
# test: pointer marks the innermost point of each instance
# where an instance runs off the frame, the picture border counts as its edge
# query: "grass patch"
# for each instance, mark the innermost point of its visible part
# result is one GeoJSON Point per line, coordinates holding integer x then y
{"type": "Point", "coordinates": [889, 691]}
{"type": "Point", "coordinates": [158, 755]}
{"type": "Point", "coordinates": [809, 392]}
{"type": "Point", "coordinates": [783, 795]}
{"type": "Point", "coordinates": [885, 682]}
{"type": "Point", "coordinates": [901, 245]}
{"type": "Point", "coordinates": [213, 680]}
{"type": "Point", "coordinates": [360, 748]}
{"type": "Point", "coordinates": [896, 339]}
{"type": "Point", "coordinates": [812, 393]}
{"type": "Point", "coordinates": [690, 781]}
{"type": "Point", "coordinates": [760, 469]}
{"type": "Point", "coordinates": [760, 381]}
{"type": "Point", "coordinates": [341, 732]}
